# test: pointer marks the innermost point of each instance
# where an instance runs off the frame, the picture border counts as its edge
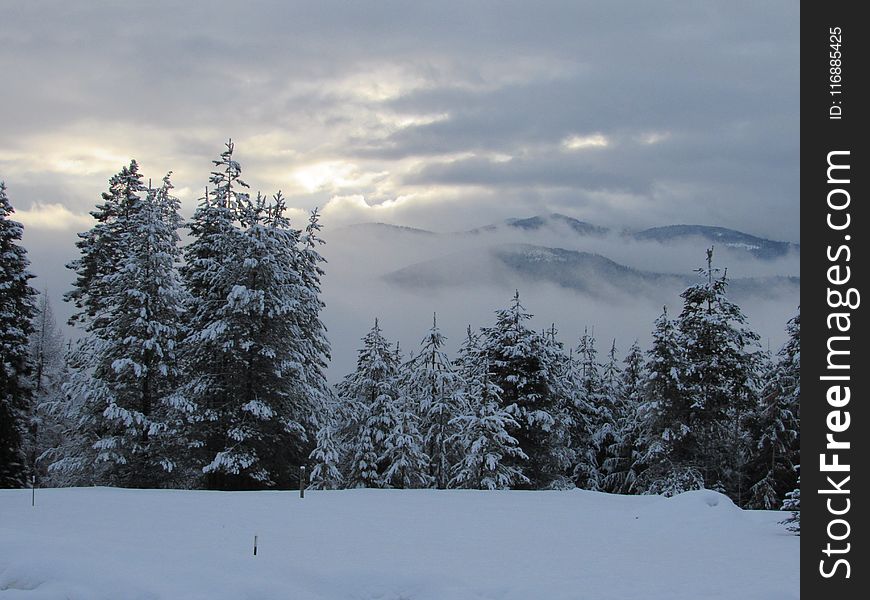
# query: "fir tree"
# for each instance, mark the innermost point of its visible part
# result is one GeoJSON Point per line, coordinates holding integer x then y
{"type": "Point", "coordinates": [775, 427]}
{"type": "Point", "coordinates": [405, 463]}
{"type": "Point", "coordinates": [73, 460]}
{"type": "Point", "coordinates": [468, 361]}
{"type": "Point", "coordinates": [488, 459]}
{"type": "Point", "coordinates": [87, 393]}
{"type": "Point", "coordinates": [609, 433]}
{"type": "Point", "coordinates": [579, 417]}
{"type": "Point", "coordinates": [325, 475]}
{"type": "Point", "coordinates": [596, 425]}
{"type": "Point", "coordinates": [101, 249]}
{"type": "Point", "coordinates": [611, 377]}
{"type": "Point", "coordinates": [623, 465]}
{"type": "Point", "coordinates": [47, 425]}
{"type": "Point", "coordinates": [16, 311]}
{"type": "Point", "coordinates": [719, 379]}
{"type": "Point", "coordinates": [261, 425]}
{"type": "Point", "coordinates": [514, 355]}
{"type": "Point", "coordinates": [433, 385]}
{"type": "Point", "coordinates": [313, 345]}
{"type": "Point", "coordinates": [208, 277]}
{"type": "Point", "coordinates": [558, 370]}
{"type": "Point", "coordinates": [126, 383]}
{"type": "Point", "coordinates": [793, 503]}
{"type": "Point", "coordinates": [667, 450]}
{"type": "Point", "coordinates": [256, 348]}
{"type": "Point", "coordinates": [372, 390]}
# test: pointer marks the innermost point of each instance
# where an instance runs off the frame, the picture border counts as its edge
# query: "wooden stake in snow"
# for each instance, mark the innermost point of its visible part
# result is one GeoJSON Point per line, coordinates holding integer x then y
{"type": "Point", "coordinates": [302, 481]}
{"type": "Point", "coordinates": [255, 545]}
{"type": "Point", "coordinates": [33, 490]}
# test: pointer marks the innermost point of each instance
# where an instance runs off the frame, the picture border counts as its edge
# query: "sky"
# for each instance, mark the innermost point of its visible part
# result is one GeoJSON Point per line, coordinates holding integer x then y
{"type": "Point", "coordinates": [446, 115]}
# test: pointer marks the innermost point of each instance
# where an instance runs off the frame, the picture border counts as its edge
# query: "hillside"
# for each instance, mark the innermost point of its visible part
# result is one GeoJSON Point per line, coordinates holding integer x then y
{"type": "Point", "coordinates": [585, 272]}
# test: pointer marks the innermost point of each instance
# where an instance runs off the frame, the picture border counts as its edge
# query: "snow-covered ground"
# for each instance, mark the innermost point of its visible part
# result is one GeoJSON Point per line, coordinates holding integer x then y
{"type": "Point", "coordinates": [96, 543]}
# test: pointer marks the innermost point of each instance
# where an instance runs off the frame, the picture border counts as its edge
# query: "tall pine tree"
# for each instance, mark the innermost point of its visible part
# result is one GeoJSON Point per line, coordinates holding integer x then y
{"type": "Point", "coordinates": [372, 392]}
{"type": "Point", "coordinates": [776, 428]}
{"type": "Point", "coordinates": [16, 311]}
{"type": "Point", "coordinates": [489, 453]}
{"type": "Point", "coordinates": [48, 422]}
{"type": "Point", "coordinates": [519, 371]}
{"type": "Point", "coordinates": [667, 450]}
{"type": "Point", "coordinates": [720, 376]}
{"type": "Point", "coordinates": [326, 473]}
{"type": "Point", "coordinates": [623, 465]}
{"type": "Point", "coordinates": [256, 347]}
{"type": "Point", "coordinates": [126, 383]}
{"type": "Point", "coordinates": [433, 385]}
{"type": "Point", "coordinates": [594, 425]}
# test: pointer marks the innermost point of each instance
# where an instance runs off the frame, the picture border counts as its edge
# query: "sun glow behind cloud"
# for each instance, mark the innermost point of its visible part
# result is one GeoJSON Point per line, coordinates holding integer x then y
{"type": "Point", "coordinates": [334, 176]}
{"type": "Point", "coordinates": [581, 142]}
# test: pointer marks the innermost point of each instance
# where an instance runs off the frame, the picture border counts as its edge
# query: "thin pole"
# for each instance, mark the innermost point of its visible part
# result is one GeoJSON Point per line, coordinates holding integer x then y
{"type": "Point", "coordinates": [255, 545]}
{"type": "Point", "coordinates": [33, 490]}
{"type": "Point", "coordinates": [302, 481]}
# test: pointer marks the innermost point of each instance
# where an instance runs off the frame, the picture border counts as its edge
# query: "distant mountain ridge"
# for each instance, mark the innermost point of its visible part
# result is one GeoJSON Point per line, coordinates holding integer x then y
{"type": "Point", "coordinates": [387, 226]}
{"type": "Point", "coordinates": [761, 248]}
{"type": "Point", "coordinates": [542, 221]}
{"type": "Point", "coordinates": [589, 273]}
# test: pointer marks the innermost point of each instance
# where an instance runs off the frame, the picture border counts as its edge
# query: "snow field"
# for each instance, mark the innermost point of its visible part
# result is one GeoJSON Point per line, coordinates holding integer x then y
{"type": "Point", "coordinates": [105, 543]}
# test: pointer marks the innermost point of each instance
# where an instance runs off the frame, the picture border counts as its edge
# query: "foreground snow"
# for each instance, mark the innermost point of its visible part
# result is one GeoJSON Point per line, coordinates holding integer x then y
{"type": "Point", "coordinates": [95, 543]}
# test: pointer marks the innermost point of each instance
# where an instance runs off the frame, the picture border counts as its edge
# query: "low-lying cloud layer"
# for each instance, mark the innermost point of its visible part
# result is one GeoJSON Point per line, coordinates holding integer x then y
{"type": "Point", "coordinates": [459, 276]}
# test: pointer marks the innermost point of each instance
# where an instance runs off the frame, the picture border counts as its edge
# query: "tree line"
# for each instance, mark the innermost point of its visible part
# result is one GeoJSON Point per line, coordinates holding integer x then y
{"type": "Point", "coordinates": [203, 366]}
{"type": "Point", "coordinates": [703, 407]}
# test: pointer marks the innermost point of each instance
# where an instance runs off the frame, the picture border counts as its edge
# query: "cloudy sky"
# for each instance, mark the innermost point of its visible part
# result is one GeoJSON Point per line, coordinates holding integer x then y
{"type": "Point", "coordinates": [445, 115]}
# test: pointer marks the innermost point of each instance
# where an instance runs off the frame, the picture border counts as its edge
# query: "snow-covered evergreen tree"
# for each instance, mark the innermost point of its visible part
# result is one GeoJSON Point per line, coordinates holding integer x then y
{"type": "Point", "coordinates": [372, 390]}
{"type": "Point", "coordinates": [314, 345]}
{"type": "Point", "coordinates": [792, 503]}
{"type": "Point", "coordinates": [325, 474]}
{"type": "Point", "coordinates": [611, 376]}
{"type": "Point", "coordinates": [609, 434]}
{"type": "Point", "coordinates": [518, 370]}
{"type": "Point", "coordinates": [563, 388]}
{"type": "Point", "coordinates": [131, 370]}
{"type": "Point", "coordinates": [405, 462]}
{"type": "Point", "coordinates": [101, 249]}
{"type": "Point", "coordinates": [489, 453]}
{"type": "Point", "coordinates": [47, 424]}
{"type": "Point", "coordinates": [101, 252]}
{"type": "Point", "coordinates": [208, 277]}
{"type": "Point", "coordinates": [256, 347]}
{"type": "Point", "coordinates": [73, 460]}
{"type": "Point", "coordinates": [720, 379]}
{"type": "Point", "coordinates": [261, 424]}
{"type": "Point", "coordinates": [433, 385]}
{"type": "Point", "coordinates": [16, 312]}
{"type": "Point", "coordinates": [775, 427]}
{"type": "Point", "coordinates": [468, 361]}
{"type": "Point", "coordinates": [622, 464]}
{"type": "Point", "coordinates": [666, 450]}
{"type": "Point", "coordinates": [595, 427]}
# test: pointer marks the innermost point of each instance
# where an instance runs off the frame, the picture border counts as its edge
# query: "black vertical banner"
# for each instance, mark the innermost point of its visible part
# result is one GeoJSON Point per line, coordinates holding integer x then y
{"type": "Point", "coordinates": [834, 419]}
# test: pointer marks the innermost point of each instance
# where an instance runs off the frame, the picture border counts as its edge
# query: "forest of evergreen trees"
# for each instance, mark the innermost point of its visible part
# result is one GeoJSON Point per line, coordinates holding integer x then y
{"type": "Point", "coordinates": [203, 366]}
